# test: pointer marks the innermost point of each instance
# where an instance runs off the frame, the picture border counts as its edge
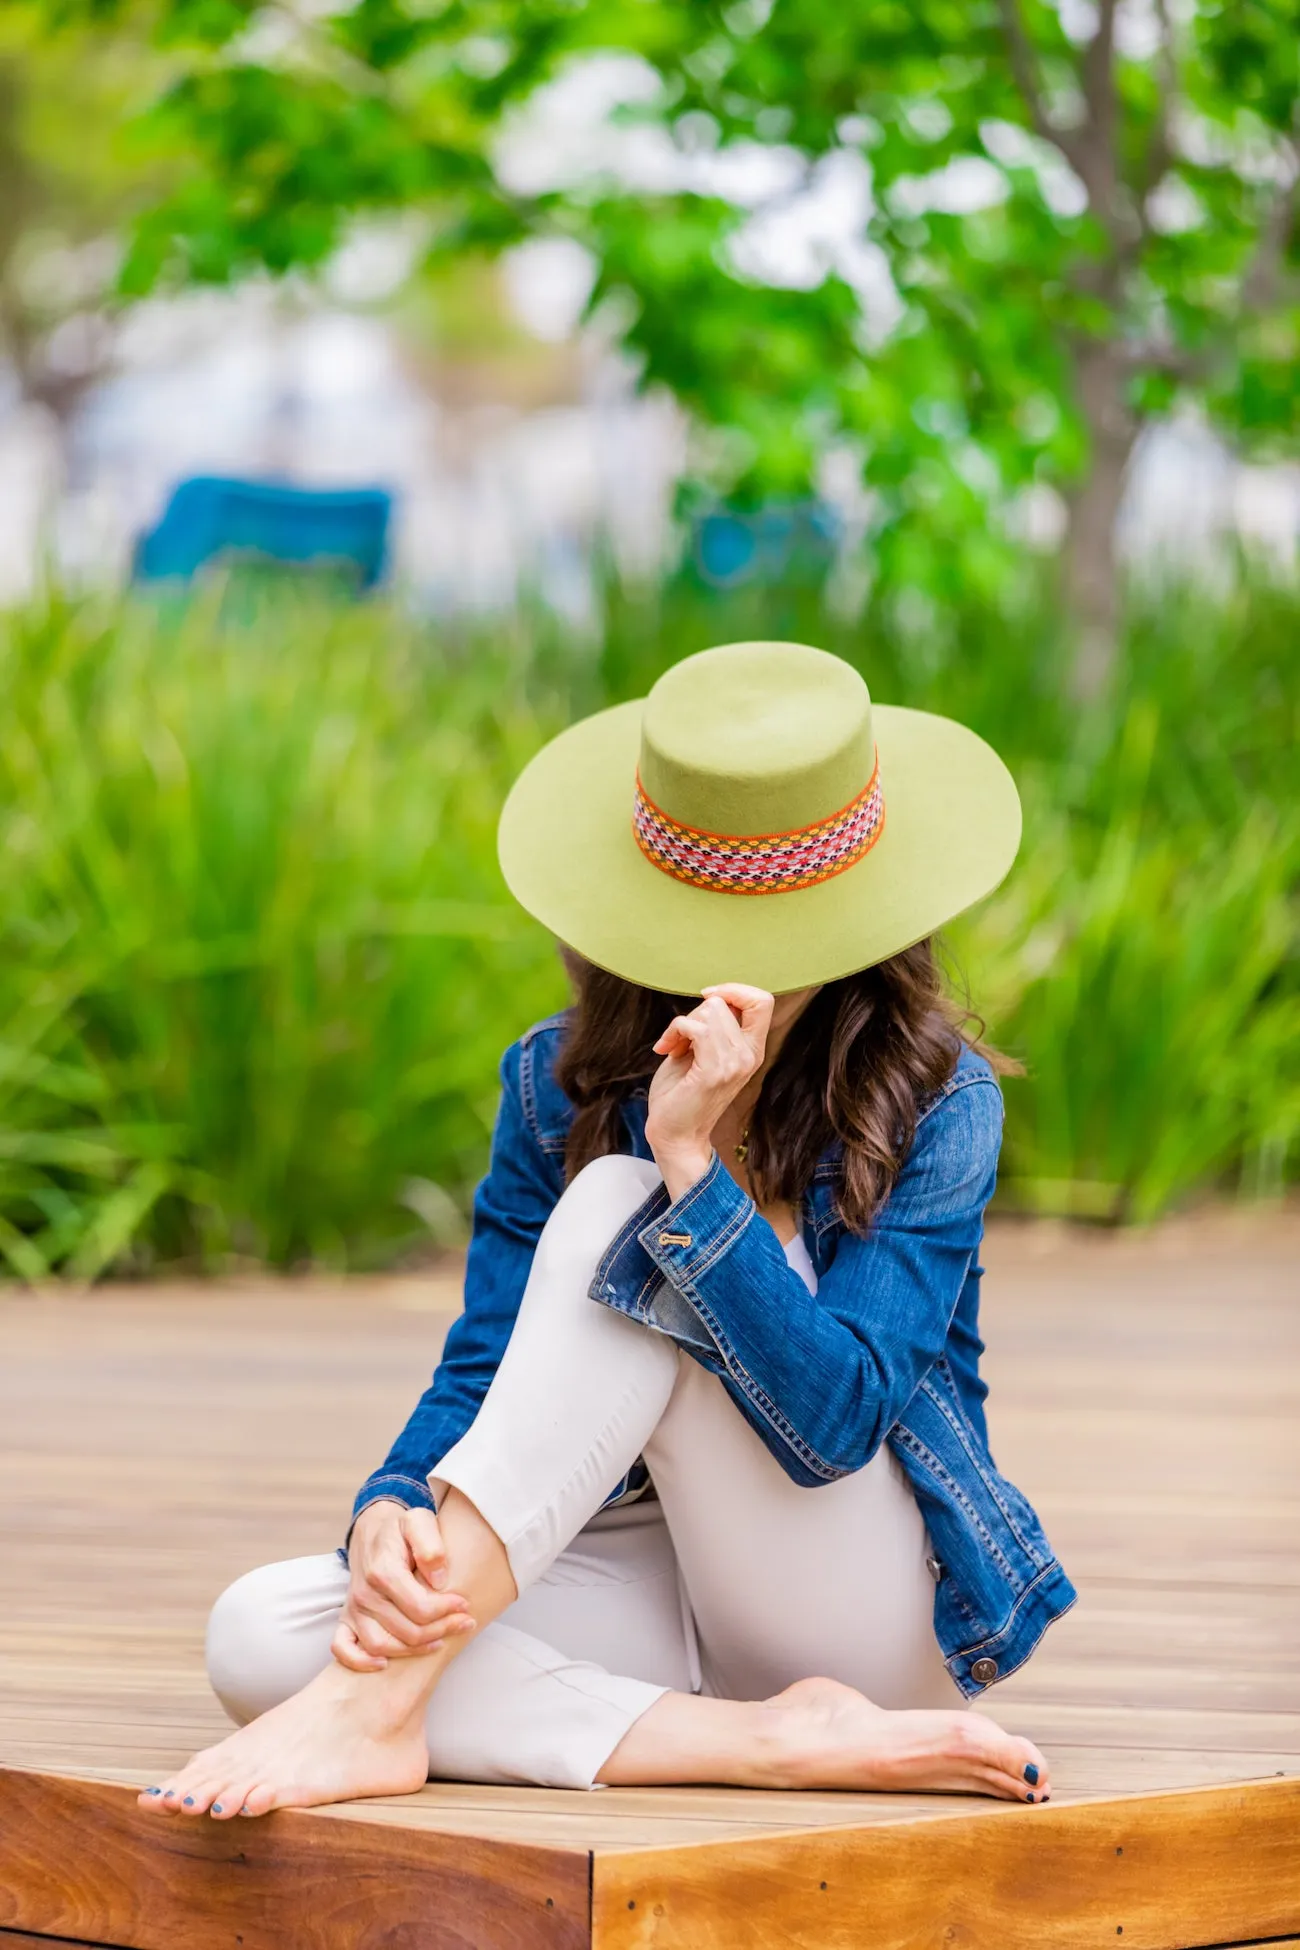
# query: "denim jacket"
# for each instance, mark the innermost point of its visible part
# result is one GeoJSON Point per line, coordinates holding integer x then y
{"type": "Point", "coordinates": [887, 1350]}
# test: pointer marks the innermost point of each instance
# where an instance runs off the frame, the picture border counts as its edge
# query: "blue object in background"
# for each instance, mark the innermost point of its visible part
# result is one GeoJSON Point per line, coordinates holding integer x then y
{"type": "Point", "coordinates": [209, 517]}
{"type": "Point", "coordinates": [765, 546]}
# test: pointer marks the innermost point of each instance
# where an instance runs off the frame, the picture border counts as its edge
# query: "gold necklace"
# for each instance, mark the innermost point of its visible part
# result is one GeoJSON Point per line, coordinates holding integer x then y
{"type": "Point", "coordinates": [741, 1151]}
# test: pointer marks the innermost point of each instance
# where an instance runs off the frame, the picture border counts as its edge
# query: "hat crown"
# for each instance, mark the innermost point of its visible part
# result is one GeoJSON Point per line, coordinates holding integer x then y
{"type": "Point", "coordinates": [756, 738]}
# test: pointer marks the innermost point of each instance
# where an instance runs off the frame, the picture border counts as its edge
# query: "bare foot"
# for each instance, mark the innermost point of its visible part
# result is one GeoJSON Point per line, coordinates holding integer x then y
{"type": "Point", "coordinates": [828, 1736]}
{"type": "Point", "coordinates": [344, 1736]}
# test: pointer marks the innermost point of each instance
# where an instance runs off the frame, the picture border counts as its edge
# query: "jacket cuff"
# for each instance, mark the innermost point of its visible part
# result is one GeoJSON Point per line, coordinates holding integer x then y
{"type": "Point", "coordinates": [406, 1490]}
{"type": "Point", "coordinates": [693, 1233]}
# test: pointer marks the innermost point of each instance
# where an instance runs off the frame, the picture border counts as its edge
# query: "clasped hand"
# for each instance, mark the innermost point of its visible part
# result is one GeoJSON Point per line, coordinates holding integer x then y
{"type": "Point", "coordinates": [396, 1607]}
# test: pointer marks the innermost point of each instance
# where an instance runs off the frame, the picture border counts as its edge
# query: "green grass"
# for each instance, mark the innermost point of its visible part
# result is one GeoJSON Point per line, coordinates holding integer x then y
{"type": "Point", "coordinates": [258, 964]}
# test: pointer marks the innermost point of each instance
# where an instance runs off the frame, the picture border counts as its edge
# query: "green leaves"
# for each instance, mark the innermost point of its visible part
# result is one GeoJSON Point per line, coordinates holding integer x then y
{"type": "Point", "coordinates": [249, 895]}
{"type": "Point", "coordinates": [257, 965]}
{"type": "Point", "coordinates": [1079, 235]}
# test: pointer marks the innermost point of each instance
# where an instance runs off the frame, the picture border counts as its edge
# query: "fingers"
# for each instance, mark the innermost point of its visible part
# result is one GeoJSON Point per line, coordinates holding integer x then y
{"type": "Point", "coordinates": [751, 1007]}
{"type": "Point", "coordinates": [349, 1651]}
{"type": "Point", "coordinates": [424, 1542]}
{"type": "Point", "coordinates": [721, 1050]}
{"type": "Point", "coordinates": [389, 1586]}
{"type": "Point", "coordinates": [385, 1634]}
{"type": "Point", "coordinates": [406, 1608]}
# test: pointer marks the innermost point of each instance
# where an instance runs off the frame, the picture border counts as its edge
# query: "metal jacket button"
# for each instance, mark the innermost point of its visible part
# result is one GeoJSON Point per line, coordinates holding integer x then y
{"type": "Point", "coordinates": [984, 1671]}
{"type": "Point", "coordinates": [934, 1567]}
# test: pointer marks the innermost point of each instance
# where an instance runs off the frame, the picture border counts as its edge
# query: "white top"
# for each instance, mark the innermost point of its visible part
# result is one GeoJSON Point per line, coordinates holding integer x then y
{"type": "Point", "coordinates": [797, 1256]}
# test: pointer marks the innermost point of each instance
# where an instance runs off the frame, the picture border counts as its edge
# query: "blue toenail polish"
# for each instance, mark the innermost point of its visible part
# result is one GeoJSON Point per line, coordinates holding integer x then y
{"type": "Point", "coordinates": [1031, 1775]}
{"type": "Point", "coordinates": [1029, 1797]}
{"type": "Point", "coordinates": [188, 1802]}
{"type": "Point", "coordinates": [216, 1807]}
{"type": "Point", "coordinates": [170, 1792]}
{"type": "Point", "coordinates": [153, 1790]}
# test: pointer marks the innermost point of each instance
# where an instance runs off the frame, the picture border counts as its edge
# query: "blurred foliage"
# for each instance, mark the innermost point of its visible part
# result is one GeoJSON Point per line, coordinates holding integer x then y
{"type": "Point", "coordinates": [258, 964]}
{"type": "Point", "coordinates": [75, 170]}
{"type": "Point", "coordinates": [1136, 247]}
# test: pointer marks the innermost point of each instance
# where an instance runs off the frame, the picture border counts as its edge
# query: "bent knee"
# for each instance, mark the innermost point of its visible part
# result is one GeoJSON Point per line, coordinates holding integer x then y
{"type": "Point", "coordinates": [269, 1632]}
{"type": "Point", "coordinates": [598, 1202]}
{"type": "Point", "coordinates": [603, 1197]}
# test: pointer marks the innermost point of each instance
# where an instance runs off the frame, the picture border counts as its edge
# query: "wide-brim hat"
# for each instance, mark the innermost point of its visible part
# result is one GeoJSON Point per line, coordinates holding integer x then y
{"type": "Point", "coordinates": [756, 819]}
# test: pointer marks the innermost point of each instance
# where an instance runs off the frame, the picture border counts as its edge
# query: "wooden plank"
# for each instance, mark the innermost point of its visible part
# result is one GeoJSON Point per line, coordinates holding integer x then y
{"type": "Point", "coordinates": [1257, 1943]}
{"type": "Point", "coordinates": [21, 1940]}
{"type": "Point", "coordinates": [80, 1859]}
{"type": "Point", "coordinates": [1213, 1866]}
{"type": "Point", "coordinates": [1163, 1459]}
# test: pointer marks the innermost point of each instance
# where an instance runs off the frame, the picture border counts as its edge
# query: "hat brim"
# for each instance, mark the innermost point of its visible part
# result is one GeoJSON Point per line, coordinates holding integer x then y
{"type": "Point", "coordinates": [952, 827]}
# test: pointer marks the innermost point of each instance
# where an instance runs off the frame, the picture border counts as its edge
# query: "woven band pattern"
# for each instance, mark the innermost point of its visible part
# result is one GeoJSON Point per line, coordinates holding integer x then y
{"type": "Point", "coordinates": [764, 863]}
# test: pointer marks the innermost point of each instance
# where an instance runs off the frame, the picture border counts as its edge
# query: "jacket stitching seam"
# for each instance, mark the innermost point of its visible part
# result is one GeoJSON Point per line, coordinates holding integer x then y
{"type": "Point", "coordinates": [950, 1089]}
{"type": "Point", "coordinates": [631, 1229]}
{"type": "Point", "coordinates": [924, 1454]}
{"type": "Point", "coordinates": [727, 1237]}
{"type": "Point", "coordinates": [528, 1096]}
{"type": "Point", "coordinates": [954, 1422]}
{"type": "Point", "coordinates": [373, 1483]}
{"type": "Point", "coordinates": [1048, 1570]}
{"type": "Point", "coordinates": [738, 1372]}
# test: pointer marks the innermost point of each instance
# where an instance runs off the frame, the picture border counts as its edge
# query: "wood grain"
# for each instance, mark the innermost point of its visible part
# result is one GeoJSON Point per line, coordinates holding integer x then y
{"type": "Point", "coordinates": [1210, 1867]}
{"type": "Point", "coordinates": [22, 1940]}
{"type": "Point", "coordinates": [78, 1859]}
{"type": "Point", "coordinates": [154, 1443]}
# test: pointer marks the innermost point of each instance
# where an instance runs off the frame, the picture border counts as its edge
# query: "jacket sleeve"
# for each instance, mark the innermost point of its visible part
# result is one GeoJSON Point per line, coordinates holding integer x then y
{"type": "Point", "coordinates": [511, 1206]}
{"type": "Point", "coordinates": [823, 1378]}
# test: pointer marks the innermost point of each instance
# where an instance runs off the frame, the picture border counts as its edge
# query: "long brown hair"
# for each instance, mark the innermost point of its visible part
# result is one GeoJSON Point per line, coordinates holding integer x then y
{"type": "Point", "coordinates": [854, 1066]}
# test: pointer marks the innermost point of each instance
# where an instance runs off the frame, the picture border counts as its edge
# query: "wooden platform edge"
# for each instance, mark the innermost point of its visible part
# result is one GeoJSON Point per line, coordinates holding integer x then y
{"type": "Point", "coordinates": [81, 1864]}
{"type": "Point", "coordinates": [1196, 1867]}
{"type": "Point", "coordinates": [79, 1860]}
{"type": "Point", "coordinates": [24, 1940]}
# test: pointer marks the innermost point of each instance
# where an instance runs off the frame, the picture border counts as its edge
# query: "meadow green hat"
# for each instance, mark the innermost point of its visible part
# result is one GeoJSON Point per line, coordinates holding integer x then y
{"type": "Point", "coordinates": [756, 819]}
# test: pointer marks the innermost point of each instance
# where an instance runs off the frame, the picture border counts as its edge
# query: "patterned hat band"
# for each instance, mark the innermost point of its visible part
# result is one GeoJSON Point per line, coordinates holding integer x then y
{"type": "Point", "coordinates": [762, 863]}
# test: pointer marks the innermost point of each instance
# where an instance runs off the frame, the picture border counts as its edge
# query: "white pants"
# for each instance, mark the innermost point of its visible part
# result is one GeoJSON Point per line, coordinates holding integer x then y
{"type": "Point", "coordinates": [735, 1582]}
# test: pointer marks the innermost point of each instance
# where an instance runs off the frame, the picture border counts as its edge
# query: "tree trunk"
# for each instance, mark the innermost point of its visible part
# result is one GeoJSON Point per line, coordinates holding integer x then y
{"type": "Point", "coordinates": [1091, 556]}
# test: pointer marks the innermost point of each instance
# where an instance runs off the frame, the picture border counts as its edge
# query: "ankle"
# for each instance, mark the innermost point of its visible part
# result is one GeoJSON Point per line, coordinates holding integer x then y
{"type": "Point", "coordinates": [391, 1700]}
{"type": "Point", "coordinates": [776, 1747]}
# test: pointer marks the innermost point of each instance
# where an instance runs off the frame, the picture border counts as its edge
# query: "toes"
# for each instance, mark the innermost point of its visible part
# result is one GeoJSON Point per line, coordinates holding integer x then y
{"type": "Point", "coordinates": [197, 1788]}
{"type": "Point", "coordinates": [228, 1801]}
{"type": "Point", "coordinates": [1009, 1787]}
{"type": "Point", "coordinates": [258, 1800]}
{"type": "Point", "coordinates": [1025, 1764]}
{"type": "Point", "coordinates": [1027, 1759]}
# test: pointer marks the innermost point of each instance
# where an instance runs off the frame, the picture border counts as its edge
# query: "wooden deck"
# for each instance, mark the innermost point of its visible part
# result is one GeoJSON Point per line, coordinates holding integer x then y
{"type": "Point", "coordinates": [1146, 1393]}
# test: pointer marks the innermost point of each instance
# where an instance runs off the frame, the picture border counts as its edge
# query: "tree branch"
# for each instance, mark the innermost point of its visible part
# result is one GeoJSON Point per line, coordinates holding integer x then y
{"type": "Point", "coordinates": [1160, 149]}
{"type": "Point", "coordinates": [1262, 281]}
{"type": "Point", "coordinates": [1261, 289]}
{"type": "Point", "coordinates": [1024, 68]}
{"type": "Point", "coordinates": [1097, 163]}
